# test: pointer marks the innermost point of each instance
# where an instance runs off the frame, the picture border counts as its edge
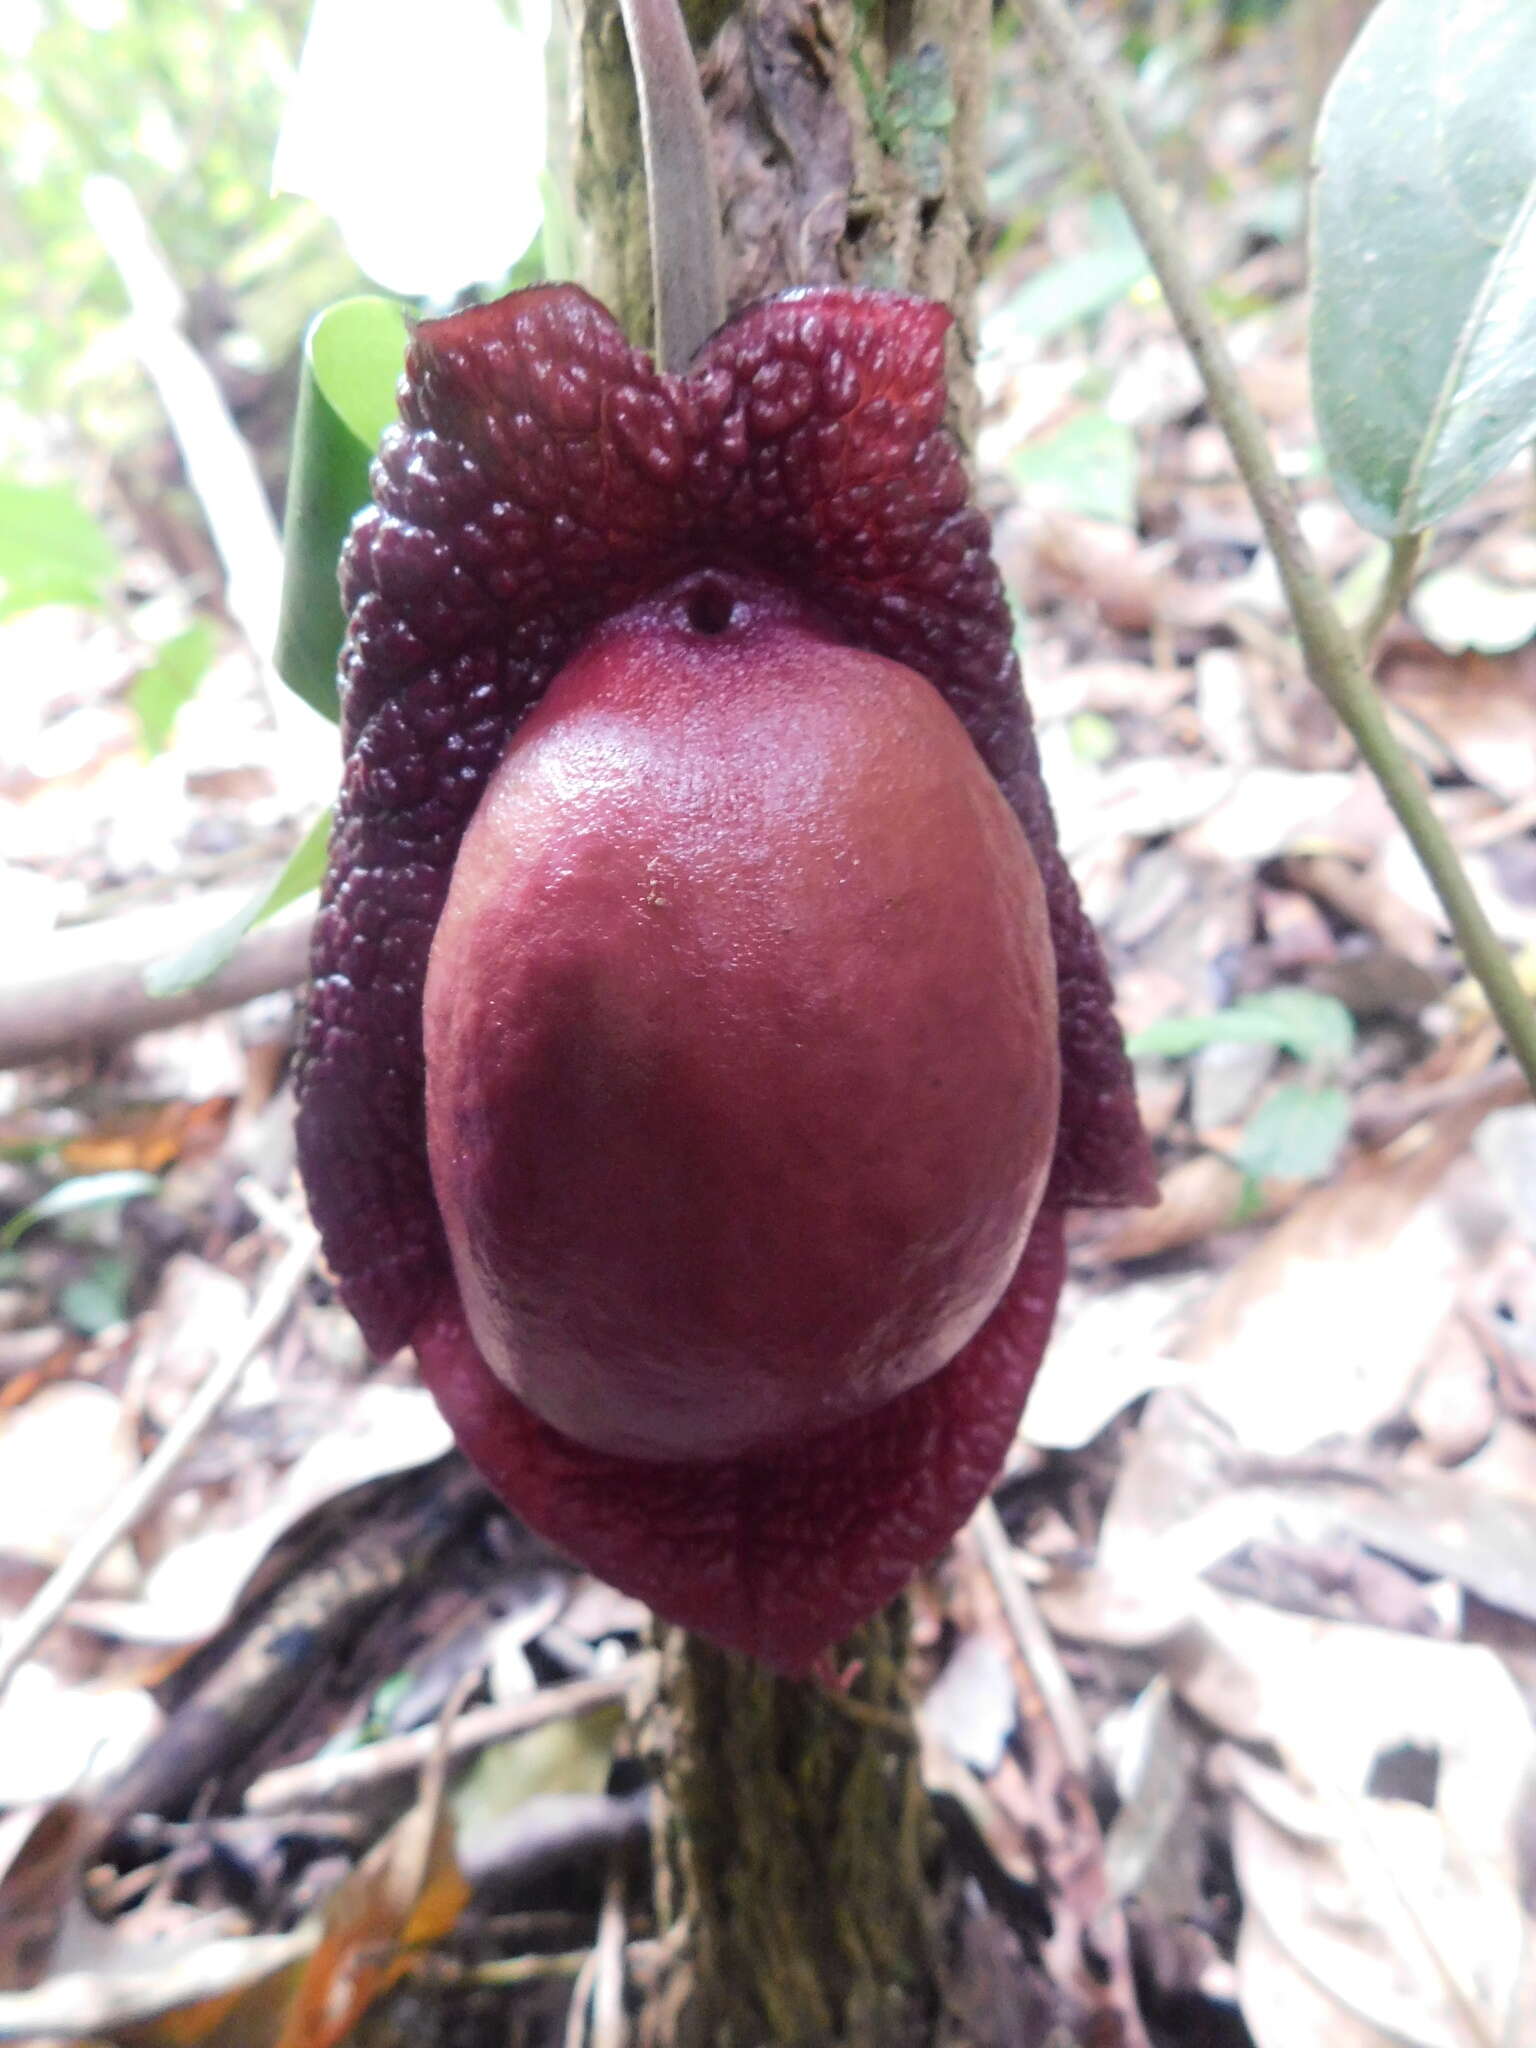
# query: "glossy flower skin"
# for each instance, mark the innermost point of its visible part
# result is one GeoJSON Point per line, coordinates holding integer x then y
{"type": "Point", "coordinates": [545, 481]}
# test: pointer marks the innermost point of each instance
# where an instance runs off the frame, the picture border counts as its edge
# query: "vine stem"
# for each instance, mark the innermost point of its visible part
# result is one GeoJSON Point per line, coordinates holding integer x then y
{"type": "Point", "coordinates": [1402, 568]}
{"type": "Point", "coordinates": [687, 265]}
{"type": "Point", "coordinates": [1332, 656]}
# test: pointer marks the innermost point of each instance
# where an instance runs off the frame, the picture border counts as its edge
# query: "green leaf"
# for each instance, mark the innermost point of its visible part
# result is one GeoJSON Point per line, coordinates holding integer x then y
{"type": "Point", "coordinates": [1296, 1134]}
{"type": "Point", "coordinates": [51, 549]}
{"type": "Point", "coordinates": [1081, 288]}
{"type": "Point", "coordinates": [1309, 1026]}
{"type": "Point", "coordinates": [1093, 737]}
{"type": "Point", "coordinates": [85, 1191]}
{"type": "Point", "coordinates": [96, 1300]}
{"type": "Point", "coordinates": [353, 355]}
{"type": "Point", "coordinates": [1077, 289]}
{"type": "Point", "coordinates": [1175, 1038]}
{"type": "Point", "coordinates": [170, 681]}
{"type": "Point", "coordinates": [1315, 1028]}
{"type": "Point", "coordinates": [200, 961]}
{"type": "Point", "coordinates": [1424, 257]}
{"type": "Point", "coordinates": [1088, 465]}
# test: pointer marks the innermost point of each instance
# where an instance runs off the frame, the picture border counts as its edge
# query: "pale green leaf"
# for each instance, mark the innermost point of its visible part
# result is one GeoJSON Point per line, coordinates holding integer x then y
{"type": "Point", "coordinates": [1424, 257]}
{"type": "Point", "coordinates": [170, 681]}
{"type": "Point", "coordinates": [1296, 1134]}
{"type": "Point", "coordinates": [70, 1197]}
{"type": "Point", "coordinates": [1315, 1028]}
{"type": "Point", "coordinates": [1087, 465]}
{"type": "Point", "coordinates": [200, 961]}
{"type": "Point", "coordinates": [51, 549]}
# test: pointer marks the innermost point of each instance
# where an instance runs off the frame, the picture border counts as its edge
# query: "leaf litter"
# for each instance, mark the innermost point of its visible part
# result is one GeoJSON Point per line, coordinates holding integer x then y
{"type": "Point", "coordinates": [1274, 1498]}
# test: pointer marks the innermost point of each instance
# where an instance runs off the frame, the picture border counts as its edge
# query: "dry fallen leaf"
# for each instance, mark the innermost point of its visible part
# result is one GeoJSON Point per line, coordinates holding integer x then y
{"type": "Point", "coordinates": [1483, 710]}
{"type": "Point", "coordinates": [193, 1590]}
{"type": "Point", "coordinates": [1322, 1329]}
{"type": "Point", "coordinates": [1196, 1198]}
{"type": "Point", "coordinates": [63, 1455]}
{"type": "Point", "coordinates": [41, 1851]}
{"type": "Point", "coordinates": [407, 1891]}
{"type": "Point", "coordinates": [57, 1739]}
{"type": "Point", "coordinates": [149, 1136]}
{"type": "Point", "coordinates": [145, 1980]}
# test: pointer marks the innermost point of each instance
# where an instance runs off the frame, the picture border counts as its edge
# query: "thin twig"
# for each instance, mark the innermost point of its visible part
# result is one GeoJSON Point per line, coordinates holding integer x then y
{"type": "Point", "coordinates": [326, 1777]}
{"type": "Point", "coordinates": [503, 1970]}
{"type": "Point", "coordinates": [220, 466]}
{"type": "Point", "coordinates": [1401, 571]}
{"type": "Point", "coordinates": [83, 989]}
{"type": "Point", "coordinates": [579, 2012]}
{"type": "Point", "coordinates": [1032, 1638]}
{"type": "Point", "coordinates": [608, 2026]}
{"type": "Point", "coordinates": [154, 1475]}
{"type": "Point", "coordinates": [1382, 1115]}
{"type": "Point", "coordinates": [1332, 657]}
{"type": "Point", "coordinates": [687, 266]}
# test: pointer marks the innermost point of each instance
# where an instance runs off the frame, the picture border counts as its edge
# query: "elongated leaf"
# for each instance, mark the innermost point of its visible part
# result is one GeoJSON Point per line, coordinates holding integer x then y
{"type": "Point", "coordinates": [51, 549]}
{"type": "Point", "coordinates": [170, 681]}
{"type": "Point", "coordinates": [86, 1191]}
{"type": "Point", "coordinates": [1424, 318]}
{"type": "Point", "coordinates": [1311, 1027]}
{"type": "Point", "coordinates": [353, 355]}
{"type": "Point", "coordinates": [205, 956]}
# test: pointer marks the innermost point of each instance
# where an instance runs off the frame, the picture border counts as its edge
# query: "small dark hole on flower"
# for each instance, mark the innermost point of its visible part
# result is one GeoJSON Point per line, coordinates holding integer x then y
{"type": "Point", "coordinates": [711, 606]}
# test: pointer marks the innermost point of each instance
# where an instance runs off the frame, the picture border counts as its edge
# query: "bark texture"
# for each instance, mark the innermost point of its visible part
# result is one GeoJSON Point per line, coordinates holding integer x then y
{"type": "Point", "coordinates": [798, 1853]}
{"type": "Point", "coordinates": [802, 1886]}
{"type": "Point", "coordinates": [847, 140]}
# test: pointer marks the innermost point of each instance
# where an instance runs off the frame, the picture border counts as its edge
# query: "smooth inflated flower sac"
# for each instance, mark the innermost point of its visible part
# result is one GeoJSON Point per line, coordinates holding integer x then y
{"type": "Point", "coordinates": [706, 1038]}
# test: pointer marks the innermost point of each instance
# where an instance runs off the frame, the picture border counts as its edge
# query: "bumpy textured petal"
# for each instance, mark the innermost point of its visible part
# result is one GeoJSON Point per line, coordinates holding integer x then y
{"type": "Point", "coordinates": [779, 1557]}
{"type": "Point", "coordinates": [544, 476]}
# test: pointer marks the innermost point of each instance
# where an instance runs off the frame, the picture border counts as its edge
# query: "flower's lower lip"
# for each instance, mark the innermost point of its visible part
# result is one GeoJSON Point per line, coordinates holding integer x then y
{"type": "Point", "coordinates": [775, 1557]}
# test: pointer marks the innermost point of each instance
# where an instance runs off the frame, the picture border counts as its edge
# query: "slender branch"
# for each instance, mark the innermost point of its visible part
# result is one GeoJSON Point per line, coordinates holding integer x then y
{"type": "Point", "coordinates": [1401, 571]}
{"type": "Point", "coordinates": [83, 989]}
{"type": "Point", "coordinates": [323, 1778]}
{"type": "Point", "coordinates": [220, 468]}
{"type": "Point", "coordinates": [136, 1499]}
{"type": "Point", "coordinates": [1333, 659]}
{"type": "Point", "coordinates": [1032, 1639]}
{"type": "Point", "coordinates": [687, 265]}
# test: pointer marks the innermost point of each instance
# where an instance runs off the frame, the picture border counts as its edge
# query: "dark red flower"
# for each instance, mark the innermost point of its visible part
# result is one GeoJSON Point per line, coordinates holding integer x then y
{"type": "Point", "coordinates": [554, 507]}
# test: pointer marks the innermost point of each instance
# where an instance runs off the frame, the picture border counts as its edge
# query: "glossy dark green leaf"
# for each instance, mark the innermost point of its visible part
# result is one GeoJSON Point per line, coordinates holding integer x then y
{"type": "Point", "coordinates": [353, 355]}
{"type": "Point", "coordinates": [1424, 257]}
{"type": "Point", "coordinates": [200, 961]}
{"type": "Point", "coordinates": [51, 549]}
{"type": "Point", "coordinates": [170, 681]}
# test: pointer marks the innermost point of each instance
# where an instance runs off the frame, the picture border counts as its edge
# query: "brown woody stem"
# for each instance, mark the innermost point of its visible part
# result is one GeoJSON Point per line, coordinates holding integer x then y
{"type": "Point", "coordinates": [1330, 651]}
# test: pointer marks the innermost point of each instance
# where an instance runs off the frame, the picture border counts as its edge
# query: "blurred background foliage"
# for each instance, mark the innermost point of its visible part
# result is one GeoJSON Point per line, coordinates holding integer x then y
{"type": "Point", "coordinates": [181, 100]}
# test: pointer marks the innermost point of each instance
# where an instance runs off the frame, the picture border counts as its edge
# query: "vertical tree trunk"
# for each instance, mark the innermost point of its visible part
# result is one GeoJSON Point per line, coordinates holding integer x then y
{"type": "Point", "coordinates": [798, 1855]}
{"type": "Point", "coordinates": [800, 1873]}
{"type": "Point", "coordinates": [847, 150]}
